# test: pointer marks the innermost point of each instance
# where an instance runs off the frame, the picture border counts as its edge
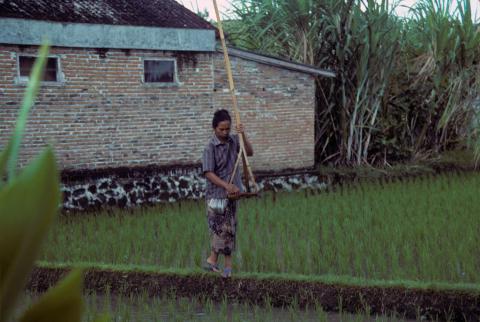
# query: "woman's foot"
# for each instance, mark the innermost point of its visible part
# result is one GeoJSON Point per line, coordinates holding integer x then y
{"type": "Point", "coordinates": [227, 272]}
{"type": "Point", "coordinates": [212, 267]}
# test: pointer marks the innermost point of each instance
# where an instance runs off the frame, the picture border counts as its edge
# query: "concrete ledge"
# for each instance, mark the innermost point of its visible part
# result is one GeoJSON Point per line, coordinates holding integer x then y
{"type": "Point", "coordinates": [32, 32]}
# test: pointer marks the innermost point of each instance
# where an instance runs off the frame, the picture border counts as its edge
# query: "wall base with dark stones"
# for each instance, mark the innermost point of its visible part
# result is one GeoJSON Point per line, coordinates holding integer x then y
{"type": "Point", "coordinates": [129, 187]}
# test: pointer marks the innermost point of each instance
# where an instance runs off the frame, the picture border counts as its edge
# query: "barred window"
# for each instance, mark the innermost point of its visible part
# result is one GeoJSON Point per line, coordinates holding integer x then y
{"type": "Point", "coordinates": [159, 71]}
{"type": "Point", "coordinates": [25, 66]}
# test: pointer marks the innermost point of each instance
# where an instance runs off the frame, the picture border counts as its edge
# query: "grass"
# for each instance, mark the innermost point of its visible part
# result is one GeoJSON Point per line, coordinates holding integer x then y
{"type": "Point", "coordinates": [418, 230]}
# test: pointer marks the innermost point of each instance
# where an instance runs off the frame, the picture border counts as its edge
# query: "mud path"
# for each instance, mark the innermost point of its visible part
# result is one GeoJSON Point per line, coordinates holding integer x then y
{"type": "Point", "coordinates": [407, 302]}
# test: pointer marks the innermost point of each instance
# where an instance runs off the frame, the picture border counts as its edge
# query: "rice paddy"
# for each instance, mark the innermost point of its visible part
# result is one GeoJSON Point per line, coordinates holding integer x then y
{"type": "Point", "coordinates": [417, 229]}
{"type": "Point", "coordinates": [144, 308]}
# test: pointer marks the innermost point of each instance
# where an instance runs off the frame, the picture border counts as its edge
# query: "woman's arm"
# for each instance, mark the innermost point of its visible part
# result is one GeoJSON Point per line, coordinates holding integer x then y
{"type": "Point", "coordinates": [231, 188]}
{"type": "Point", "coordinates": [248, 145]}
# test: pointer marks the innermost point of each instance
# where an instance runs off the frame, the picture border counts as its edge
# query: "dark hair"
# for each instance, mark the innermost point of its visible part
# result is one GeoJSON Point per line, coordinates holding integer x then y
{"type": "Point", "coordinates": [220, 116]}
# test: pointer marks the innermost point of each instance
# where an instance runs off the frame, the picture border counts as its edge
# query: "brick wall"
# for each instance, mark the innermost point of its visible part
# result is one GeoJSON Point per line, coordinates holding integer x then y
{"type": "Point", "coordinates": [104, 116]}
{"type": "Point", "coordinates": [277, 107]}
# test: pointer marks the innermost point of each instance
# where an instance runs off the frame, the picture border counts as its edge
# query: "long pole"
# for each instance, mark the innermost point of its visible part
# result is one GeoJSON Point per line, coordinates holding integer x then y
{"type": "Point", "coordinates": [234, 100]}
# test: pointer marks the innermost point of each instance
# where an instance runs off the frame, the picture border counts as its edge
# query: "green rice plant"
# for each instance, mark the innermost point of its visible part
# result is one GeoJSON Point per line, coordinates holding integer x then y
{"type": "Point", "coordinates": [28, 206]}
{"type": "Point", "coordinates": [419, 229]}
{"type": "Point", "coordinates": [144, 308]}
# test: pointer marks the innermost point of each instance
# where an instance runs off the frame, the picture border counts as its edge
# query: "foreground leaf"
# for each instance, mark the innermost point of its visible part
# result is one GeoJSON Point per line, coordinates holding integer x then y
{"type": "Point", "coordinates": [4, 155]}
{"type": "Point", "coordinates": [103, 318]}
{"type": "Point", "coordinates": [28, 206]}
{"type": "Point", "coordinates": [61, 303]}
{"type": "Point", "coordinates": [28, 100]}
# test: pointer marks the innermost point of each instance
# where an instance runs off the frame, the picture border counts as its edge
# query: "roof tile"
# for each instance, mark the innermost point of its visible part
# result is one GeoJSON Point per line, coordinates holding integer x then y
{"type": "Point", "coordinates": [151, 13]}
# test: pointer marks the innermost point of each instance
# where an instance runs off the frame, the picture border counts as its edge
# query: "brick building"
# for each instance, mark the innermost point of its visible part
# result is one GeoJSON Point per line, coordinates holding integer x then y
{"type": "Point", "coordinates": [135, 84]}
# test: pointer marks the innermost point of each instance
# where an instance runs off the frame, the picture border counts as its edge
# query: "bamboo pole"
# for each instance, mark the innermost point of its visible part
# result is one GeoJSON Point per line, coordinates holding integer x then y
{"type": "Point", "coordinates": [242, 152]}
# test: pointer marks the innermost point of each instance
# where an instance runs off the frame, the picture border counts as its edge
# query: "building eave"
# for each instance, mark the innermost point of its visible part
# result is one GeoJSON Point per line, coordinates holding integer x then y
{"type": "Point", "coordinates": [277, 62]}
{"type": "Point", "coordinates": [33, 32]}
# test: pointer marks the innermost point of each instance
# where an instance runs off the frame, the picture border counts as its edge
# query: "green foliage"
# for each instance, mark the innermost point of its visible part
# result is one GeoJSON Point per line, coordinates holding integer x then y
{"type": "Point", "coordinates": [59, 304]}
{"type": "Point", "coordinates": [28, 206]}
{"type": "Point", "coordinates": [141, 307]}
{"type": "Point", "coordinates": [441, 44]}
{"type": "Point", "coordinates": [28, 101]}
{"type": "Point", "coordinates": [3, 162]}
{"type": "Point", "coordinates": [405, 89]}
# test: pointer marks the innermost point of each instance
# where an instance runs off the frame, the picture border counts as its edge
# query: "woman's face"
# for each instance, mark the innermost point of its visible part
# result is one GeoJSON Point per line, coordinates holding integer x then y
{"type": "Point", "coordinates": [223, 130]}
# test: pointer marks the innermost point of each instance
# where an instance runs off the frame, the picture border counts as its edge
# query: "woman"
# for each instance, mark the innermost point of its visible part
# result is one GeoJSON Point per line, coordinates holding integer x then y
{"type": "Point", "coordinates": [218, 162]}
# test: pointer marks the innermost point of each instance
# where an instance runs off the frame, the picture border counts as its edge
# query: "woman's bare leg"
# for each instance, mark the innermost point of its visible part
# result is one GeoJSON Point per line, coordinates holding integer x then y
{"type": "Point", "coordinates": [228, 261]}
{"type": "Point", "coordinates": [213, 258]}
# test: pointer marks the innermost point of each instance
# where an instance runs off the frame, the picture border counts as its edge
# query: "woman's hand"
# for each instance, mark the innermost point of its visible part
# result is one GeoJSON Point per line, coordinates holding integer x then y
{"type": "Point", "coordinates": [232, 189]}
{"type": "Point", "coordinates": [240, 128]}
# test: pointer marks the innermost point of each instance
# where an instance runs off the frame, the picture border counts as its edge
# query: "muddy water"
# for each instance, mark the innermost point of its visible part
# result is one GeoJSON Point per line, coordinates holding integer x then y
{"type": "Point", "coordinates": [148, 309]}
{"type": "Point", "coordinates": [145, 309]}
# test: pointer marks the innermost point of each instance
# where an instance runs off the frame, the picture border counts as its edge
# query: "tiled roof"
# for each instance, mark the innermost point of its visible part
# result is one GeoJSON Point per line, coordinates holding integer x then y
{"type": "Point", "coordinates": [152, 13]}
{"type": "Point", "coordinates": [278, 62]}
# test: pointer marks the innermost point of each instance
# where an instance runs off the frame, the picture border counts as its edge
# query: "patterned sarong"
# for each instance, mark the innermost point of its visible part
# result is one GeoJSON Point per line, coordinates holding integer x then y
{"type": "Point", "coordinates": [222, 228]}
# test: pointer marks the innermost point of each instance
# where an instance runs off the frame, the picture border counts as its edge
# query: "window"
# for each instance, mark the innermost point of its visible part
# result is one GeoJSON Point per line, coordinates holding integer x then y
{"type": "Point", "coordinates": [159, 71]}
{"type": "Point", "coordinates": [25, 66]}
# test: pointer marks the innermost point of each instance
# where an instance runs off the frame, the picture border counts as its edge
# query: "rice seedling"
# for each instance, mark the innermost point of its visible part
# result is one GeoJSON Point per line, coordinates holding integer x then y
{"type": "Point", "coordinates": [416, 229]}
{"type": "Point", "coordinates": [142, 308]}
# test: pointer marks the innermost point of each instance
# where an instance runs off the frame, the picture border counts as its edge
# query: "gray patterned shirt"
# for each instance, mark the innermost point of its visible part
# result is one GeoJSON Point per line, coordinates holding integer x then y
{"type": "Point", "coordinates": [220, 158]}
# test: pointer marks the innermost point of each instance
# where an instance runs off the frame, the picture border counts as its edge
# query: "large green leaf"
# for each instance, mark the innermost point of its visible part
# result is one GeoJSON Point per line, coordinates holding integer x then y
{"type": "Point", "coordinates": [4, 155]}
{"type": "Point", "coordinates": [28, 101]}
{"type": "Point", "coordinates": [103, 318]}
{"type": "Point", "coordinates": [61, 303]}
{"type": "Point", "coordinates": [28, 205]}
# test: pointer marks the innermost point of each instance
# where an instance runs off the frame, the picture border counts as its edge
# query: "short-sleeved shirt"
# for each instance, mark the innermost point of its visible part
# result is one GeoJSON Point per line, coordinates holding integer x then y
{"type": "Point", "coordinates": [220, 158]}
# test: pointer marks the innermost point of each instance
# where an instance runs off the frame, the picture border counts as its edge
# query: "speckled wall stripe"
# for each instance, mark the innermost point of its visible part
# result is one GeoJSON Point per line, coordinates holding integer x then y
{"type": "Point", "coordinates": [162, 187]}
